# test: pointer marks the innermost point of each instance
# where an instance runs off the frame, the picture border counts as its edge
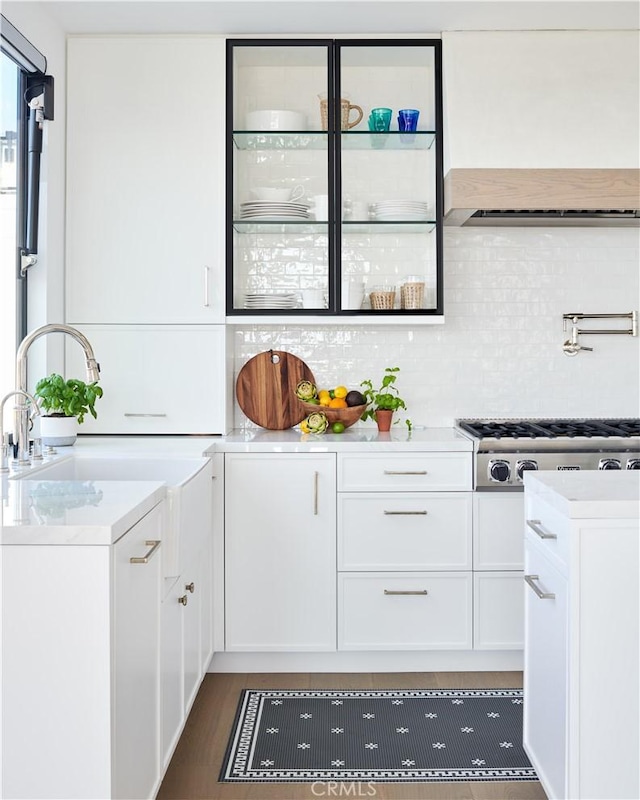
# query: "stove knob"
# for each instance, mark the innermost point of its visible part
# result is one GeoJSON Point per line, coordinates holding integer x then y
{"type": "Point", "coordinates": [525, 464]}
{"type": "Point", "coordinates": [609, 463]}
{"type": "Point", "coordinates": [633, 463]}
{"type": "Point", "coordinates": [499, 470]}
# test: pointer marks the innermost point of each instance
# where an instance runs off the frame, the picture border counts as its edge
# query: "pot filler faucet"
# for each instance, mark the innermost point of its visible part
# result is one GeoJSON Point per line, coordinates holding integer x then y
{"type": "Point", "coordinates": [21, 422]}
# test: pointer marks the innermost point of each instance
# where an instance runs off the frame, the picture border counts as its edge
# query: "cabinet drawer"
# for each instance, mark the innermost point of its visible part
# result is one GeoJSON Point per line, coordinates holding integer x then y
{"type": "Point", "coordinates": [498, 611]}
{"type": "Point", "coordinates": [404, 611]}
{"type": "Point", "coordinates": [407, 472]}
{"type": "Point", "coordinates": [412, 531]}
{"type": "Point", "coordinates": [548, 529]}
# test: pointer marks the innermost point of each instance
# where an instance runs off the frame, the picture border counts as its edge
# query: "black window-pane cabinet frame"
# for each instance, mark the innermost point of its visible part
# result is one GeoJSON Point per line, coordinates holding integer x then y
{"type": "Point", "coordinates": [334, 49]}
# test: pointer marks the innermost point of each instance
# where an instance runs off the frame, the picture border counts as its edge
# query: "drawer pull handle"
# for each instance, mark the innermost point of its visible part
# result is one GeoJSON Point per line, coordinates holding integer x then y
{"type": "Point", "coordinates": [316, 475]}
{"type": "Point", "coordinates": [154, 544]}
{"type": "Point", "coordinates": [404, 513]}
{"type": "Point", "coordinates": [190, 587]}
{"type": "Point", "coordinates": [127, 414]}
{"type": "Point", "coordinates": [530, 580]}
{"type": "Point", "coordinates": [405, 472]}
{"type": "Point", "coordinates": [183, 600]}
{"type": "Point", "coordinates": [409, 591]}
{"type": "Point", "coordinates": [536, 527]}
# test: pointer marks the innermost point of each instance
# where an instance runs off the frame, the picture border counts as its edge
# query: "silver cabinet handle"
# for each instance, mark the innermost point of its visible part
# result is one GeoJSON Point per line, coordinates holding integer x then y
{"type": "Point", "coordinates": [536, 527]}
{"type": "Point", "coordinates": [316, 475]}
{"type": "Point", "coordinates": [405, 472]}
{"type": "Point", "coordinates": [206, 287]}
{"type": "Point", "coordinates": [183, 600]}
{"type": "Point", "coordinates": [130, 414]}
{"type": "Point", "coordinates": [190, 587]}
{"type": "Point", "coordinates": [416, 591]}
{"type": "Point", "coordinates": [154, 544]}
{"type": "Point", "coordinates": [530, 580]}
{"type": "Point", "coordinates": [404, 513]}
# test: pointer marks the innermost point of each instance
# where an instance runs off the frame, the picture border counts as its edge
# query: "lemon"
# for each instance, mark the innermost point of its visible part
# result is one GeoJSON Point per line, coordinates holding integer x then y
{"type": "Point", "coordinates": [340, 391]}
{"type": "Point", "coordinates": [304, 427]}
{"type": "Point", "coordinates": [338, 427]}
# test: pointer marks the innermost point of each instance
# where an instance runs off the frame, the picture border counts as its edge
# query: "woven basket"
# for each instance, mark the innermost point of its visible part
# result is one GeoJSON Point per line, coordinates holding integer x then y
{"type": "Point", "coordinates": [382, 301]}
{"type": "Point", "coordinates": [412, 295]}
{"type": "Point", "coordinates": [349, 416]}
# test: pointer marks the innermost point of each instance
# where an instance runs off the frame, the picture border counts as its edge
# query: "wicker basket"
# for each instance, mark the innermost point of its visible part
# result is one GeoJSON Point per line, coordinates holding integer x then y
{"type": "Point", "coordinates": [349, 416]}
{"type": "Point", "coordinates": [382, 300]}
{"type": "Point", "coordinates": [412, 295]}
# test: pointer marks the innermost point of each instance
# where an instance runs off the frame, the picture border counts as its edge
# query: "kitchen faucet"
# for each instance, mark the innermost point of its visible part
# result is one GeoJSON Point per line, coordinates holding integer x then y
{"type": "Point", "coordinates": [21, 411]}
{"type": "Point", "coordinates": [4, 448]}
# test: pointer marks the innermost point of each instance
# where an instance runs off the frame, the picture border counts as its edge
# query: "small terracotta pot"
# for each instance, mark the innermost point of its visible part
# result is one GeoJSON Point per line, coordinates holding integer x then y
{"type": "Point", "coordinates": [383, 418]}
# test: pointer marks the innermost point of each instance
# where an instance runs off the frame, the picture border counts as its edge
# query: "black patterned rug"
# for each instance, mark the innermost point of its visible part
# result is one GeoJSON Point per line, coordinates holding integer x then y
{"type": "Point", "coordinates": [407, 735]}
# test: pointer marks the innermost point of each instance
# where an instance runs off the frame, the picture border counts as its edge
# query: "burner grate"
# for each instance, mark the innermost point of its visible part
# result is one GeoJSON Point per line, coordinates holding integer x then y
{"type": "Point", "coordinates": [551, 428]}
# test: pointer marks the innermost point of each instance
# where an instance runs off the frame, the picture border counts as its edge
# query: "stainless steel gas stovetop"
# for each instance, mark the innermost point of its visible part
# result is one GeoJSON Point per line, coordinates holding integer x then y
{"type": "Point", "coordinates": [506, 448]}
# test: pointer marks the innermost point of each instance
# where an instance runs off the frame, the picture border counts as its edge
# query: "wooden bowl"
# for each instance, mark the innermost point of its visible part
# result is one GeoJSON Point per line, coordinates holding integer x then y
{"type": "Point", "coordinates": [349, 416]}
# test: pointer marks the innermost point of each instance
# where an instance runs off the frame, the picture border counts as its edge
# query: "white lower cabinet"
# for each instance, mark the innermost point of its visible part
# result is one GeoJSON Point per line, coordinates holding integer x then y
{"type": "Point", "coordinates": [582, 655]}
{"type": "Point", "coordinates": [280, 551]}
{"type": "Point", "coordinates": [157, 379]}
{"type": "Point", "coordinates": [498, 556]}
{"type": "Point", "coordinates": [404, 551]}
{"type": "Point", "coordinates": [81, 653]}
{"type": "Point", "coordinates": [405, 611]}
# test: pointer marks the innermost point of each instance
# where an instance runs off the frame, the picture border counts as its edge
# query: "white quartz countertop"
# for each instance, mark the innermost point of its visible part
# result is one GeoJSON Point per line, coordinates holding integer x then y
{"type": "Point", "coordinates": [73, 512]}
{"type": "Point", "coordinates": [588, 495]}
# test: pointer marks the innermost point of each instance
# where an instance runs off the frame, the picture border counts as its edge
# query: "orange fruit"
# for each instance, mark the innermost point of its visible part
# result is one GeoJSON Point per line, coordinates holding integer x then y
{"type": "Point", "coordinates": [337, 402]}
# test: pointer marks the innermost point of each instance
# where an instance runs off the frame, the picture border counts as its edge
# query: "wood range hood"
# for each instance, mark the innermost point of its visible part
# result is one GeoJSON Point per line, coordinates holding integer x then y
{"type": "Point", "coordinates": [542, 197]}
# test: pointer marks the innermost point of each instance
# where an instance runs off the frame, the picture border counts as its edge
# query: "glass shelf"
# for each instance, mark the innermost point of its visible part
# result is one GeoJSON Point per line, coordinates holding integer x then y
{"type": "Point", "coordinates": [280, 140]}
{"type": "Point", "coordinates": [387, 140]}
{"type": "Point", "coordinates": [379, 226]}
{"type": "Point", "coordinates": [277, 226]}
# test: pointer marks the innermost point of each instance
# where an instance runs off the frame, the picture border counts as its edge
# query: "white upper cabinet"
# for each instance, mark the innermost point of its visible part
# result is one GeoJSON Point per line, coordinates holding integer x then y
{"type": "Point", "coordinates": [536, 99]}
{"type": "Point", "coordinates": [145, 179]}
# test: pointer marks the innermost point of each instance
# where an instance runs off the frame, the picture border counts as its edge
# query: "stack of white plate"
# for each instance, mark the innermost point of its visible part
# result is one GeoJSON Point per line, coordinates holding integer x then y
{"type": "Point", "coordinates": [270, 300]}
{"type": "Point", "coordinates": [400, 210]}
{"type": "Point", "coordinates": [271, 210]}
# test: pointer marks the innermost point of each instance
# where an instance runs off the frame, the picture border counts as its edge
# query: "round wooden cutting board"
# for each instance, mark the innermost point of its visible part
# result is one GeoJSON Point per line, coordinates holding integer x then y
{"type": "Point", "coordinates": [266, 389]}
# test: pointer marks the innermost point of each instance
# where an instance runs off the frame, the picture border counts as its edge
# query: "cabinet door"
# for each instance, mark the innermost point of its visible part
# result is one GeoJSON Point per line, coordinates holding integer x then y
{"type": "Point", "coordinates": [137, 597]}
{"type": "Point", "coordinates": [171, 681]}
{"type": "Point", "coordinates": [145, 179]}
{"type": "Point", "coordinates": [498, 537]}
{"type": "Point", "coordinates": [157, 379]}
{"type": "Point", "coordinates": [546, 666]}
{"type": "Point", "coordinates": [498, 611]}
{"type": "Point", "coordinates": [280, 551]}
{"type": "Point", "coordinates": [191, 601]}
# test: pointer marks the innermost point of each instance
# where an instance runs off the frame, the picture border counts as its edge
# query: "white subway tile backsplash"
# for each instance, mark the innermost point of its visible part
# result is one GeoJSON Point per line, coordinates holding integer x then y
{"type": "Point", "coordinates": [499, 352]}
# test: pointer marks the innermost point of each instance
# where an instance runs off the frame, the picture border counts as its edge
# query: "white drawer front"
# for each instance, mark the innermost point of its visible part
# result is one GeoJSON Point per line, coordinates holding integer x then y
{"type": "Point", "coordinates": [412, 531]}
{"type": "Point", "coordinates": [404, 611]}
{"type": "Point", "coordinates": [498, 611]}
{"type": "Point", "coordinates": [407, 472]}
{"type": "Point", "coordinates": [549, 529]}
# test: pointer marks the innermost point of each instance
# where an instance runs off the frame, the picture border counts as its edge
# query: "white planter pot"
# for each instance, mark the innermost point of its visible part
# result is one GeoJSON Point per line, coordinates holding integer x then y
{"type": "Point", "coordinates": [58, 431]}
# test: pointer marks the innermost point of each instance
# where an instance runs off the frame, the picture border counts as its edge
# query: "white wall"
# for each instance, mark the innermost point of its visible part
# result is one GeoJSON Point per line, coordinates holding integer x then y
{"type": "Point", "coordinates": [46, 280]}
{"type": "Point", "coordinates": [499, 352]}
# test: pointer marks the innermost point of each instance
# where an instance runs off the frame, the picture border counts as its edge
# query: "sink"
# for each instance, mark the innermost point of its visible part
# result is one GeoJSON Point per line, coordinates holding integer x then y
{"type": "Point", "coordinates": [177, 473]}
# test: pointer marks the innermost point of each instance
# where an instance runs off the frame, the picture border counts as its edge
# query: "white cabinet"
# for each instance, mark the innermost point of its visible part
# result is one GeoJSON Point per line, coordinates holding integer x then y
{"type": "Point", "coordinates": [404, 551]}
{"type": "Point", "coordinates": [158, 378]}
{"type": "Point", "coordinates": [81, 647]}
{"type": "Point", "coordinates": [498, 555]}
{"type": "Point", "coordinates": [280, 551]}
{"type": "Point", "coordinates": [145, 179]}
{"type": "Point", "coordinates": [581, 691]}
{"type": "Point", "coordinates": [541, 99]}
{"type": "Point", "coordinates": [186, 615]}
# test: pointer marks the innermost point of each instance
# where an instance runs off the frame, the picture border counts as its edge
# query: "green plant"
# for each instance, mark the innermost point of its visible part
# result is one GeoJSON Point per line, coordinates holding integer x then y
{"type": "Point", "coordinates": [72, 398]}
{"type": "Point", "coordinates": [386, 398]}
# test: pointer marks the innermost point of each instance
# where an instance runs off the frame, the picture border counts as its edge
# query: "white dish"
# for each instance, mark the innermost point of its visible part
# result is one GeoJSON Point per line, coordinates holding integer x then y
{"type": "Point", "coordinates": [276, 120]}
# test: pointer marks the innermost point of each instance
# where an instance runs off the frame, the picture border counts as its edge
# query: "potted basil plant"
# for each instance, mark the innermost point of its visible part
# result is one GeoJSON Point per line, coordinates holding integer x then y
{"type": "Point", "coordinates": [65, 403]}
{"type": "Point", "coordinates": [384, 401]}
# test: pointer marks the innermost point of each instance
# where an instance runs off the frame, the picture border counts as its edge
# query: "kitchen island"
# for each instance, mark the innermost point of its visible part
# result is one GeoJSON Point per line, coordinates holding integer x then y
{"type": "Point", "coordinates": [581, 675]}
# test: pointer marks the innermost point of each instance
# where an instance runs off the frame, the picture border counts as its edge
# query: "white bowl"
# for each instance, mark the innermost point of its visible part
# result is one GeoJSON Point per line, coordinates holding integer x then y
{"type": "Point", "coordinates": [276, 120]}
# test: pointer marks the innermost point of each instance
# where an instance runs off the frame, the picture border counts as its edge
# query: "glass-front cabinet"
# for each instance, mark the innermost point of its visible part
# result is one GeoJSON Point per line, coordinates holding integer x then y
{"type": "Point", "coordinates": [334, 179]}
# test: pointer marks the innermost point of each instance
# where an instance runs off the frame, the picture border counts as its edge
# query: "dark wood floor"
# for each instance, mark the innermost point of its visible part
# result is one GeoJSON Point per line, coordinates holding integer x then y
{"type": "Point", "coordinates": [193, 772]}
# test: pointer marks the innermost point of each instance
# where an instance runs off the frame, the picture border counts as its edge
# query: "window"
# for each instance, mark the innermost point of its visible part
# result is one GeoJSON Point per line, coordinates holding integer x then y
{"type": "Point", "coordinates": [26, 100]}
